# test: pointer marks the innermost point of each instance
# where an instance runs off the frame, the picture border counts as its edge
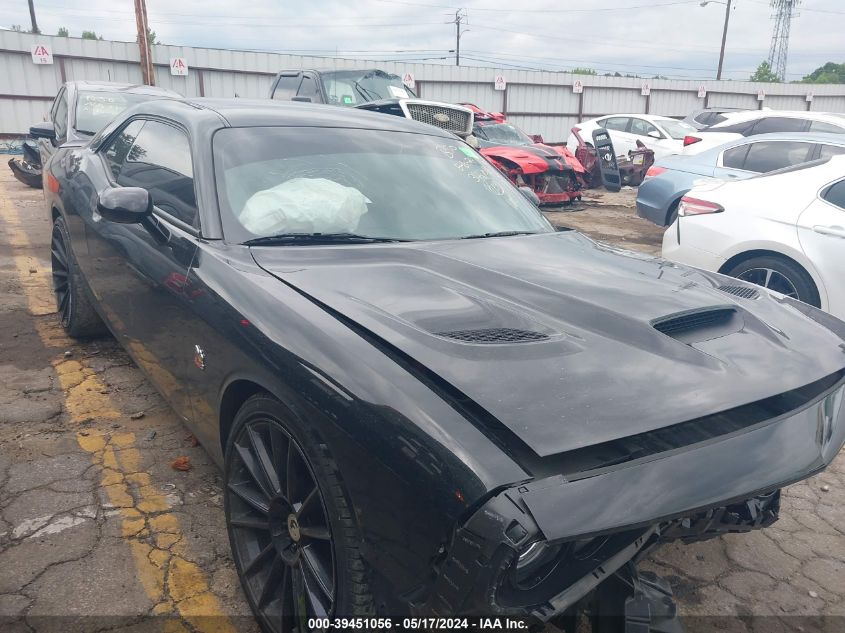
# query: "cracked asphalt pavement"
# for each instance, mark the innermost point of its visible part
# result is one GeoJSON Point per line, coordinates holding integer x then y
{"type": "Point", "coordinates": [99, 532]}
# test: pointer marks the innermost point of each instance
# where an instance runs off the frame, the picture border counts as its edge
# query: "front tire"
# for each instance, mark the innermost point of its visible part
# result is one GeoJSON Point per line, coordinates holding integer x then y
{"type": "Point", "coordinates": [73, 303]}
{"type": "Point", "coordinates": [778, 274]}
{"type": "Point", "coordinates": [291, 529]}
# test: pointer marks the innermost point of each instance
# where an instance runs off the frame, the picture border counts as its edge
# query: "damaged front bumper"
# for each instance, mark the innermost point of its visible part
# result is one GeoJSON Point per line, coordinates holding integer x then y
{"type": "Point", "coordinates": [538, 549]}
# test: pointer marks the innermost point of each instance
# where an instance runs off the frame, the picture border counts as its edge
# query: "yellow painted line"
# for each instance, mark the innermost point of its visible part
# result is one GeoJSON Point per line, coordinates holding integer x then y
{"type": "Point", "coordinates": [156, 539]}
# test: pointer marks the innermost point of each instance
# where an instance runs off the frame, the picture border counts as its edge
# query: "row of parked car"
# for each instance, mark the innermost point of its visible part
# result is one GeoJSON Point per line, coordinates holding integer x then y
{"type": "Point", "coordinates": [760, 196]}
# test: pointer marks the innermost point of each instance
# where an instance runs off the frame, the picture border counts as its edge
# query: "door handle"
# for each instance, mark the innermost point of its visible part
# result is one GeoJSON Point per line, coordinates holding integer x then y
{"type": "Point", "coordinates": [833, 231]}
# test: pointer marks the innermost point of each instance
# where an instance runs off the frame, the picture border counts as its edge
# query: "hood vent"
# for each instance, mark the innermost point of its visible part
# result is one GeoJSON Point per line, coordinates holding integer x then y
{"type": "Point", "coordinates": [743, 292]}
{"type": "Point", "coordinates": [698, 325]}
{"type": "Point", "coordinates": [493, 336]}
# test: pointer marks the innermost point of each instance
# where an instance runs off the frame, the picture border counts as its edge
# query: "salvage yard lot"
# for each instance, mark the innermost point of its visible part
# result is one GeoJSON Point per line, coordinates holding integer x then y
{"type": "Point", "coordinates": [96, 522]}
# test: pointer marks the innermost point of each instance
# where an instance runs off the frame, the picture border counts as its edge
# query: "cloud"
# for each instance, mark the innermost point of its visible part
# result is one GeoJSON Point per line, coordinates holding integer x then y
{"type": "Point", "coordinates": [675, 38]}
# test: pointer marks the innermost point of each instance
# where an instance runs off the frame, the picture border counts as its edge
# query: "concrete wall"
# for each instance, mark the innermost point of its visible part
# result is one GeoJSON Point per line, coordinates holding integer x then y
{"type": "Point", "coordinates": [538, 101]}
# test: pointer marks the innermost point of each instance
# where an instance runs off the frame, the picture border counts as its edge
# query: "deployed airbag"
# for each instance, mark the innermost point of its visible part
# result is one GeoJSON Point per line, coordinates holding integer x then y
{"type": "Point", "coordinates": [304, 205]}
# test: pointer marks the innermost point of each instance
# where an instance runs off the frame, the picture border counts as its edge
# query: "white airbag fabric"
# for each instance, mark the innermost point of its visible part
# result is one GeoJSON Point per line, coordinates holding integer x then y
{"type": "Point", "coordinates": [304, 205]}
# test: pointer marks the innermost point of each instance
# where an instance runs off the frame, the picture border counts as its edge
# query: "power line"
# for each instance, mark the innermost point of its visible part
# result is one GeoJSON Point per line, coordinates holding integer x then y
{"type": "Point", "coordinates": [520, 10]}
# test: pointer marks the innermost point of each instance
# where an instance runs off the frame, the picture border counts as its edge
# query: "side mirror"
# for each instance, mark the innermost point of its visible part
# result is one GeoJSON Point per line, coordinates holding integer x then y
{"type": "Point", "coordinates": [655, 134]}
{"type": "Point", "coordinates": [43, 130]}
{"type": "Point", "coordinates": [302, 99]}
{"type": "Point", "coordinates": [537, 138]}
{"type": "Point", "coordinates": [125, 205]}
{"type": "Point", "coordinates": [528, 192]}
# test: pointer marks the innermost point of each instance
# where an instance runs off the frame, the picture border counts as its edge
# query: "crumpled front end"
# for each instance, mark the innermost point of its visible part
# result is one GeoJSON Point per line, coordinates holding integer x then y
{"type": "Point", "coordinates": [547, 172]}
{"type": "Point", "coordinates": [543, 548]}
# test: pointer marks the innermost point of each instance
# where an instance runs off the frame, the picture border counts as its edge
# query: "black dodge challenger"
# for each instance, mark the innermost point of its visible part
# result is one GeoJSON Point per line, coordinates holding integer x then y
{"type": "Point", "coordinates": [425, 400]}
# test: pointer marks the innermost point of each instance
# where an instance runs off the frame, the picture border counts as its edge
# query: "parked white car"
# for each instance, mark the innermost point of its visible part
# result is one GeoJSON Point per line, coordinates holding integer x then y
{"type": "Point", "coordinates": [663, 135]}
{"type": "Point", "coordinates": [753, 122]}
{"type": "Point", "coordinates": [784, 230]}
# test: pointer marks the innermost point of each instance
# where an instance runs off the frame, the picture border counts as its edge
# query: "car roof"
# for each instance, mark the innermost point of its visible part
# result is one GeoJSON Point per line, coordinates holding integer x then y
{"type": "Point", "coordinates": [750, 115]}
{"type": "Point", "coordinates": [708, 156]}
{"type": "Point", "coordinates": [269, 113]}
{"type": "Point", "coordinates": [115, 86]}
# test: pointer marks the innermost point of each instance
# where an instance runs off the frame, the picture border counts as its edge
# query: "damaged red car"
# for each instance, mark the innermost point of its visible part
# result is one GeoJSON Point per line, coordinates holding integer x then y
{"type": "Point", "coordinates": [553, 173]}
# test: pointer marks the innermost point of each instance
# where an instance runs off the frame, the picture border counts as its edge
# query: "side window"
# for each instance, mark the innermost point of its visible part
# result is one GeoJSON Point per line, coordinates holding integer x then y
{"type": "Point", "coordinates": [618, 123]}
{"type": "Point", "coordinates": [160, 162]}
{"type": "Point", "coordinates": [641, 127]}
{"type": "Point", "coordinates": [286, 88]}
{"type": "Point", "coordinates": [310, 89]}
{"type": "Point", "coordinates": [119, 149]}
{"type": "Point", "coordinates": [835, 194]}
{"type": "Point", "coordinates": [59, 116]}
{"type": "Point", "coordinates": [826, 151]}
{"type": "Point", "coordinates": [705, 118]}
{"type": "Point", "coordinates": [779, 124]}
{"type": "Point", "coordinates": [771, 155]}
{"type": "Point", "coordinates": [734, 158]}
{"type": "Point", "coordinates": [821, 126]}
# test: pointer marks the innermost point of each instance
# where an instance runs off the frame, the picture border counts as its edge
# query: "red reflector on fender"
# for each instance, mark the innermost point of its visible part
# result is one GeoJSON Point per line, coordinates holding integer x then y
{"type": "Point", "coordinates": [654, 171]}
{"type": "Point", "coordinates": [52, 183]}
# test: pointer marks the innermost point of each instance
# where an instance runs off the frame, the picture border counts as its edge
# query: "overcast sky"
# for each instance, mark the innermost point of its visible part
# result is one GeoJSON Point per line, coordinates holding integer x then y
{"type": "Point", "coordinates": [675, 38]}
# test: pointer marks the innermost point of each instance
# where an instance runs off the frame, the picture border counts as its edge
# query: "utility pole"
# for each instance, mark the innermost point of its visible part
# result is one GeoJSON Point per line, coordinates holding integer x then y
{"type": "Point", "coordinates": [728, 8]}
{"type": "Point", "coordinates": [147, 72]}
{"type": "Point", "coordinates": [724, 39]}
{"type": "Point", "coordinates": [460, 16]}
{"type": "Point", "coordinates": [32, 17]}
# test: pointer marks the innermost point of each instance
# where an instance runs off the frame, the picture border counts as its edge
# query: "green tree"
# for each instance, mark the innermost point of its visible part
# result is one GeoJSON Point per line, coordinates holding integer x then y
{"type": "Point", "coordinates": [583, 71]}
{"type": "Point", "coordinates": [62, 32]}
{"type": "Point", "coordinates": [764, 73]}
{"type": "Point", "coordinates": [91, 35]}
{"type": "Point", "coordinates": [830, 73]}
{"type": "Point", "coordinates": [151, 37]}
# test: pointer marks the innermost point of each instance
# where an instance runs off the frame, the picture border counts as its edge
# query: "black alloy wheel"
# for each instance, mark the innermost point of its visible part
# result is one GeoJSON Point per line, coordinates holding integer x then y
{"type": "Point", "coordinates": [61, 275]}
{"type": "Point", "coordinates": [76, 311]}
{"type": "Point", "coordinates": [279, 527]}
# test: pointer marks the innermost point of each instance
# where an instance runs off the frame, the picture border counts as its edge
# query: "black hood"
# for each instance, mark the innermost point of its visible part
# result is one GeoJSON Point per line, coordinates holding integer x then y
{"type": "Point", "coordinates": [567, 342]}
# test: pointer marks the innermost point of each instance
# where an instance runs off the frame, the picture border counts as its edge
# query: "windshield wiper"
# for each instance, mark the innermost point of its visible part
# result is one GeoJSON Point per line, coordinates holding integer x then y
{"type": "Point", "coordinates": [86, 132]}
{"type": "Point", "coordinates": [319, 238]}
{"type": "Point", "coordinates": [498, 234]}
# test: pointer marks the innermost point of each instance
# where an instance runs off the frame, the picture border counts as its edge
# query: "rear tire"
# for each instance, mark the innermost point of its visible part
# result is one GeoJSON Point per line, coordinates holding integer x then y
{"type": "Point", "coordinates": [290, 569]}
{"type": "Point", "coordinates": [73, 302]}
{"type": "Point", "coordinates": [779, 274]}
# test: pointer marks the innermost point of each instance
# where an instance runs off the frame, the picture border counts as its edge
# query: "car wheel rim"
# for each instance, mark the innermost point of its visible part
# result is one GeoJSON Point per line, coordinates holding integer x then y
{"type": "Point", "coordinates": [280, 530]}
{"type": "Point", "coordinates": [771, 279]}
{"type": "Point", "coordinates": [61, 277]}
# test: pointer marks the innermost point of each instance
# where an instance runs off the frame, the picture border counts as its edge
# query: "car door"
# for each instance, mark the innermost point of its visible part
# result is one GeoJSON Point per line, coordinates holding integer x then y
{"type": "Point", "coordinates": [617, 127]}
{"type": "Point", "coordinates": [821, 231]}
{"type": "Point", "coordinates": [139, 273]}
{"type": "Point", "coordinates": [649, 135]}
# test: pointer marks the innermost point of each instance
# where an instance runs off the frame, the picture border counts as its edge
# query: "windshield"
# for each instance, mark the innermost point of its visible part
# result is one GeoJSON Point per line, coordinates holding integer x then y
{"type": "Point", "coordinates": [95, 109]}
{"type": "Point", "coordinates": [352, 87]}
{"type": "Point", "coordinates": [379, 184]}
{"type": "Point", "coordinates": [676, 129]}
{"type": "Point", "coordinates": [501, 134]}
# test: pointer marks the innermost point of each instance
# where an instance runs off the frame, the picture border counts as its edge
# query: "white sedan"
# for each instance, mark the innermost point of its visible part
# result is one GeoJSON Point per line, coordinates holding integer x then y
{"type": "Point", "coordinates": [784, 230]}
{"type": "Point", "coordinates": [663, 135]}
{"type": "Point", "coordinates": [754, 122]}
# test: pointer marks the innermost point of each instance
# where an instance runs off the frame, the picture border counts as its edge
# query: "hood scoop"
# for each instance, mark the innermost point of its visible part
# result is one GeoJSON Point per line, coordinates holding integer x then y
{"type": "Point", "coordinates": [494, 336]}
{"type": "Point", "coordinates": [743, 292]}
{"type": "Point", "coordinates": [692, 326]}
